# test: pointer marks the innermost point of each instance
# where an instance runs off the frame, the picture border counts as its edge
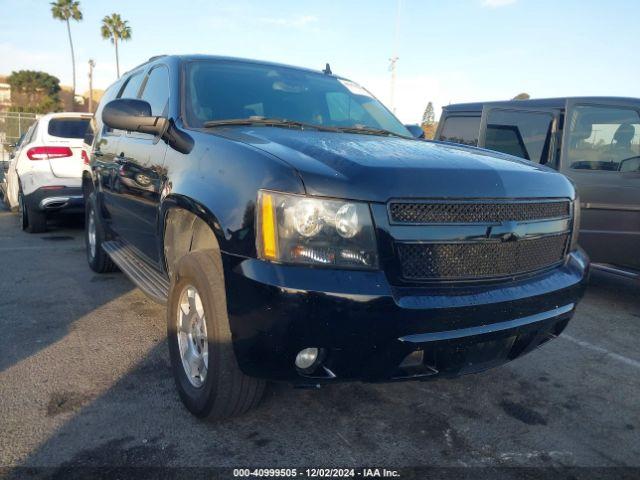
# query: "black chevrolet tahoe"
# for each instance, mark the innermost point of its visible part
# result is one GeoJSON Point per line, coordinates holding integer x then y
{"type": "Point", "coordinates": [297, 232]}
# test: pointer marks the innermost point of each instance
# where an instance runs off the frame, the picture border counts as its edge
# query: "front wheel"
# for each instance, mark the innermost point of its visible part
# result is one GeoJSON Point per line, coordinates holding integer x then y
{"type": "Point", "coordinates": [206, 372]}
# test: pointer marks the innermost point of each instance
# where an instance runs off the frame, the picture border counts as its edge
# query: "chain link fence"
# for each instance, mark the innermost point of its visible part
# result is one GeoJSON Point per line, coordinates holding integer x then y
{"type": "Point", "coordinates": [12, 126]}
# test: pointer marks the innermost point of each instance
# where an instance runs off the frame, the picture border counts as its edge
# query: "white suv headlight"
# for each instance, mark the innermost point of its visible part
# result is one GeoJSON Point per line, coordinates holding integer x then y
{"type": "Point", "coordinates": [316, 231]}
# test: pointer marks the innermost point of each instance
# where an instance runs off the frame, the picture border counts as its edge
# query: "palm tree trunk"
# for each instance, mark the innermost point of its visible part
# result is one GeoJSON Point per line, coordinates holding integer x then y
{"type": "Point", "coordinates": [73, 67]}
{"type": "Point", "coordinates": [115, 41]}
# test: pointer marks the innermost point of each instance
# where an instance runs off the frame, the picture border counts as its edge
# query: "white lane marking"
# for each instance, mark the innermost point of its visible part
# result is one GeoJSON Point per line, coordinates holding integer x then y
{"type": "Point", "coordinates": [595, 348]}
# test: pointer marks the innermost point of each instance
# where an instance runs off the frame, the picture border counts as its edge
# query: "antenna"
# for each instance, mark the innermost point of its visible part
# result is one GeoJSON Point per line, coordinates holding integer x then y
{"type": "Point", "coordinates": [327, 70]}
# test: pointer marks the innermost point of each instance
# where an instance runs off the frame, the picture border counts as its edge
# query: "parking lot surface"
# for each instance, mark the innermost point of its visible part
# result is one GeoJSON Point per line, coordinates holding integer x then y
{"type": "Point", "coordinates": [85, 381]}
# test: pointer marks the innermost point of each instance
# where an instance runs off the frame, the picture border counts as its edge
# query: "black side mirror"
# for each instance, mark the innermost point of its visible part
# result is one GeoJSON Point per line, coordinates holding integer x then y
{"type": "Point", "coordinates": [133, 115]}
{"type": "Point", "coordinates": [416, 131]}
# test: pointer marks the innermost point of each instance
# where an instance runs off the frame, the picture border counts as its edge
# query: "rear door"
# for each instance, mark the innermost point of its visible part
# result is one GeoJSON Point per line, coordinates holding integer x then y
{"type": "Point", "coordinates": [524, 132]}
{"type": "Point", "coordinates": [13, 182]}
{"type": "Point", "coordinates": [601, 154]}
{"type": "Point", "coordinates": [67, 131]}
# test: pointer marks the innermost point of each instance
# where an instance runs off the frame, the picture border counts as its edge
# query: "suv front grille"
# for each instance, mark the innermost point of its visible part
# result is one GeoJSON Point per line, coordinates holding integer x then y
{"type": "Point", "coordinates": [483, 259]}
{"type": "Point", "coordinates": [476, 212]}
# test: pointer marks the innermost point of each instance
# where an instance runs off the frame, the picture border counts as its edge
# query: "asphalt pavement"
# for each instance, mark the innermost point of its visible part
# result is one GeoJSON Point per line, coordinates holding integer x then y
{"type": "Point", "coordinates": [85, 381]}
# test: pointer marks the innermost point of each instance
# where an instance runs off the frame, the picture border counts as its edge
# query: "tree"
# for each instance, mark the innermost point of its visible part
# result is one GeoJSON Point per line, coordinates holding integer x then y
{"type": "Point", "coordinates": [33, 91]}
{"type": "Point", "coordinates": [428, 117]}
{"type": "Point", "coordinates": [522, 96]}
{"type": "Point", "coordinates": [66, 10]}
{"type": "Point", "coordinates": [115, 28]}
{"type": "Point", "coordinates": [428, 123]}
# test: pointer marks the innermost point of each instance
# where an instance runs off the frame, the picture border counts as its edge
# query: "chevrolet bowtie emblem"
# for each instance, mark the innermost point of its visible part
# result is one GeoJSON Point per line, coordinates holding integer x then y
{"type": "Point", "coordinates": [509, 232]}
{"type": "Point", "coordinates": [506, 232]}
{"type": "Point", "coordinates": [510, 237]}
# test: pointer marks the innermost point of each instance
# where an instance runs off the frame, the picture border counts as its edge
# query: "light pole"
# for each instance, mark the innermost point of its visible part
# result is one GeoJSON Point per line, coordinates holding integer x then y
{"type": "Point", "coordinates": [91, 65]}
{"type": "Point", "coordinates": [394, 59]}
{"type": "Point", "coordinates": [392, 69]}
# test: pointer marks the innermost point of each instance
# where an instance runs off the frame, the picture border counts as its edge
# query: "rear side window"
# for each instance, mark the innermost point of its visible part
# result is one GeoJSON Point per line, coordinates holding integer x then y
{"type": "Point", "coordinates": [156, 90]}
{"type": "Point", "coordinates": [132, 86]}
{"type": "Point", "coordinates": [462, 130]}
{"type": "Point", "coordinates": [30, 134]}
{"type": "Point", "coordinates": [68, 127]}
{"type": "Point", "coordinates": [604, 138]}
{"type": "Point", "coordinates": [523, 134]}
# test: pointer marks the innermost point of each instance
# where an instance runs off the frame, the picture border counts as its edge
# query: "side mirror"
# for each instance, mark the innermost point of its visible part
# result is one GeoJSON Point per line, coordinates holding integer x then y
{"type": "Point", "coordinates": [133, 115]}
{"type": "Point", "coordinates": [416, 131]}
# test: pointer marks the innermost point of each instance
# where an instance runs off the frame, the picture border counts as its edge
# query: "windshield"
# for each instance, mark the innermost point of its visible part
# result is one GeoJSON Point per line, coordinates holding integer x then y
{"type": "Point", "coordinates": [219, 90]}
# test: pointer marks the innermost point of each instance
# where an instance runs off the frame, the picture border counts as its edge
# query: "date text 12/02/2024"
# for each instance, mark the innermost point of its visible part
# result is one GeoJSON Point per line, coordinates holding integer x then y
{"type": "Point", "coordinates": [316, 473]}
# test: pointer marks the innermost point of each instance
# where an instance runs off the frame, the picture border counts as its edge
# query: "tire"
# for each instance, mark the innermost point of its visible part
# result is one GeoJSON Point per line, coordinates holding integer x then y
{"type": "Point", "coordinates": [224, 391]}
{"type": "Point", "coordinates": [94, 235]}
{"type": "Point", "coordinates": [32, 219]}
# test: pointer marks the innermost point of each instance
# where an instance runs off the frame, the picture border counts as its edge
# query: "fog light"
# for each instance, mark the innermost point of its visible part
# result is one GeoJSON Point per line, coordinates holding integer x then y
{"type": "Point", "coordinates": [307, 358]}
{"type": "Point", "coordinates": [414, 359]}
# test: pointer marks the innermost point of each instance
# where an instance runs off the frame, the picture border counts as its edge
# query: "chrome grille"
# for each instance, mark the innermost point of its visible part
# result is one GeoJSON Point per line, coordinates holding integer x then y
{"type": "Point", "coordinates": [476, 212]}
{"type": "Point", "coordinates": [483, 259]}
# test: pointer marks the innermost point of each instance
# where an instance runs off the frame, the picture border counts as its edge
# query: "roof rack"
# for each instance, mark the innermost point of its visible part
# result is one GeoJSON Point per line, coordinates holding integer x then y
{"type": "Point", "coordinates": [151, 59]}
{"type": "Point", "coordinates": [155, 57]}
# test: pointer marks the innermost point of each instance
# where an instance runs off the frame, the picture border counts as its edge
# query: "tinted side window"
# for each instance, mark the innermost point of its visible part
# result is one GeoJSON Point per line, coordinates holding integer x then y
{"type": "Point", "coordinates": [523, 134]}
{"type": "Point", "coordinates": [604, 138]}
{"type": "Point", "coordinates": [462, 130]}
{"type": "Point", "coordinates": [132, 86]}
{"type": "Point", "coordinates": [68, 127]}
{"type": "Point", "coordinates": [26, 138]}
{"type": "Point", "coordinates": [156, 90]}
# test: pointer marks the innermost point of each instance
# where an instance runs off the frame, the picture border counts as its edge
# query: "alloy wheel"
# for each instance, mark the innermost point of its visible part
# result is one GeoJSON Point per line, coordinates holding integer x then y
{"type": "Point", "coordinates": [192, 336]}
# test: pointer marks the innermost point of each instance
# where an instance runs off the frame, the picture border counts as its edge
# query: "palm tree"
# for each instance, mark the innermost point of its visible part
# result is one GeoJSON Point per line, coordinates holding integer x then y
{"type": "Point", "coordinates": [66, 10]}
{"type": "Point", "coordinates": [115, 28]}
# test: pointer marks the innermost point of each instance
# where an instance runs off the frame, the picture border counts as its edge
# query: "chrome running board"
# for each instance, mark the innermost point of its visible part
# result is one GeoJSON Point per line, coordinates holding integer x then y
{"type": "Point", "coordinates": [145, 276]}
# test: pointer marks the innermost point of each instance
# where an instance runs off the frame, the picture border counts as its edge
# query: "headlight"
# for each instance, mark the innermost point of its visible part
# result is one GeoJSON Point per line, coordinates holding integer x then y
{"type": "Point", "coordinates": [575, 230]}
{"type": "Point", "coordinates": [301, 229]}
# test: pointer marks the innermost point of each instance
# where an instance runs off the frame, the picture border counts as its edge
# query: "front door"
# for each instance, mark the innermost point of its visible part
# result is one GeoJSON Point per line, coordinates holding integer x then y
{"type": "Point", "coordinates": [601, 154]}
{"type": "Point", "coordinates": [140, 173]}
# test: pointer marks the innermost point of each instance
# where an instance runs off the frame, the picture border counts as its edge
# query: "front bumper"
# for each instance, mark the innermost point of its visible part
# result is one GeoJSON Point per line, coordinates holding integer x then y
{"type": "Point", "coordinates": [68, 199]}
{"type": "Point", "coordinates": [370, 330]}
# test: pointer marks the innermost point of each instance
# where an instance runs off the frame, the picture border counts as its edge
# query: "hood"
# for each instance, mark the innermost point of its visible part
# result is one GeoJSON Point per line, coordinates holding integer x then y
{"type": "Point", "coordinates": [375, 168]}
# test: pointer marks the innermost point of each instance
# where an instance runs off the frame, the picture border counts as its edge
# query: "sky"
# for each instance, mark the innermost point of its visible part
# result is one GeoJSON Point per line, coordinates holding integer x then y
{"type": "Point", "coordinates": [449, 51]}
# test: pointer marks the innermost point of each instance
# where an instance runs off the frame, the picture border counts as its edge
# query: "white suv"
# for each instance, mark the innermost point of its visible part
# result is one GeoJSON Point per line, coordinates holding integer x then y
{"type": "Point", "coordinates": [46, 174]}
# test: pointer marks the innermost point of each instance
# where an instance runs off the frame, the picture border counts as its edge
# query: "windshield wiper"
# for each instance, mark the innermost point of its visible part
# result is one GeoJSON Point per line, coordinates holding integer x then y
{"type": "Point", "coordinates": [370, 131]}
{"type": "Point", "coordinates": [276, 122]}
{"type": "Point", "coordinates": [283, 122]}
